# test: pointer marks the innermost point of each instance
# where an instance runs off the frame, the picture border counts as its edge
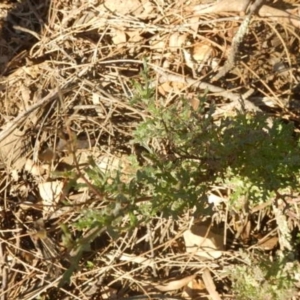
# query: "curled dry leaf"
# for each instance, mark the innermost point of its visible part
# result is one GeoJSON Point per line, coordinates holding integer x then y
{"type": "Point", "coordinates": [193, 289]}
{"type": "Point", "coordinates": [202, 52]}
{"type": "Point", "coordinates": [175, 284]}
{"type": "Point", "coordinates": [201, 241]}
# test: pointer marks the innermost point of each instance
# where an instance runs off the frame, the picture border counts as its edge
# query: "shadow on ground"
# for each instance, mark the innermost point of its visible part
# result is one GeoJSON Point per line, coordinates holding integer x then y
{"type": "Point", "coordinates": [20, 25]}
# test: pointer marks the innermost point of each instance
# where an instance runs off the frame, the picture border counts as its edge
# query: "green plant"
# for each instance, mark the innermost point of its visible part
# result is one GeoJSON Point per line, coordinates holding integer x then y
{"type": "Point", "coordinates": [262, 279]}
{"type": "Point", "coordinates": [246, 153]}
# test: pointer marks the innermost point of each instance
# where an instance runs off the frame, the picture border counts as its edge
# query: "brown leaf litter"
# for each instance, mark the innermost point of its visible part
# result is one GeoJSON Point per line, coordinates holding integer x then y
{"type": "Point", "coordinates": [67, 82]}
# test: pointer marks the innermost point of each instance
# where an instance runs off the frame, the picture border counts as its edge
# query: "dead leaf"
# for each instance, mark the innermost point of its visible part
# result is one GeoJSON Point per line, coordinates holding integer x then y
{"type": "Point", "coordinates": [177, 40]}
{"type": "Point", "coordinates": [202, 52]}
{"type": "Point", "coordinates": [239, 6]}
{"type": "Point", "coordinates": [158, 43]}
{"type": "Point", "coordinates": [268, 244]}
{"type": "Point", "coordinates": [112, 164]}
{"type": "Point", "coordinates": [47, 155]}
{"type": "Point", "coordinates": [194, 25]}
{"type": "Point", "coordinates": [51, 193]}
{"type": "Point", "coordinates": [26, 95]}
{"type": "Point", "coordinates": [33, 168]}
{"type": "Point", "coordinates": [13, 148]}
{"type": "Point", "coordinates": [118, 36]}
{"type": "Point", "coordinates": [216, 200]}
{"type": "Point", "coordinates": [193, 289]}
{"type": "Point", "coordinates": [201, 241]}
{"type": "Point", "coordinates": [210, 285]}
{"type": "Point", "coordinates": [133, 259]}
{"type": "Point", "coordinates": [134, 36]}
{"type": "Point", "coordinates": [195, 102]}
{"type": "Point", "coordinates": [171, 87]}
{"type": "Point", "coordinates": [124, 7]}
{"type": "Point", "coordinates": [175, 284]}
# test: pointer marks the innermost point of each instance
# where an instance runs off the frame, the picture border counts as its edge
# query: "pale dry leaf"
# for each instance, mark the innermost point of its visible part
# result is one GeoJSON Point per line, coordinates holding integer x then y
{"type": "Point", "coordinates": [97, 101]}
{"type": "Point", "coordinates": [134, 36]}
{"type": "Point", "coordinates": [285, 236]}
{"type": "Point", "coordinates": [133, 259]}
{"type": "Point", "coordinates": [148, 10]}
{"type": "Point", "coordinates": [169, 87]}
{"type": "Point", "coordinates": [13, 148]}
{"type": "Point", "coordinates": [177, 40]}
{"type": "Point", "coordinates": [158, 43]}
{"type": "Point", "coordinates": [189, 59]}
{"type": "Point", "coordinates": [201, 241]}
{"type": "Point", "coordinates": [194, 25]}
{"type": "Point", "coordinates": [175, 284]}
{"type": "Point", "coordinates": [51, 193]}
{"type": "Point", "coordinates": [25, 94]}
{"type": "Point", "coordinates": [216, 200]}
{"type": "Point", "coordinates": [112, 164]}
{"type": "Point", "coordinates": [34, 169]}
{"type": "Point", "coordinates": [118, 36]}
{"type": "Point", "coordinates": [124, 7]}
{"type": "Point", "coordinates": [202, 52]}
{"type": "Point", "coordinates": [164, 88]}
{"type": "Point", "coordinates": [210, 285]}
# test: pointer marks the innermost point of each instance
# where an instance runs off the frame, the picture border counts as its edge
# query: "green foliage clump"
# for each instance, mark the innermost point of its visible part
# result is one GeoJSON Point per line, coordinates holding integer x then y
{"type": "Point", "coordinates": [247, 153]}
{"type": "Point", "coordinates": [245, 148]}
{"type": "Point", "coordinates": [263, 280]}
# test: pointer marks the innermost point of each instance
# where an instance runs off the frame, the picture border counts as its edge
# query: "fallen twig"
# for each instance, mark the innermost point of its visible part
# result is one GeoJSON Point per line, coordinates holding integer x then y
{"type": "Point", "coordinates": [236, 41]}
{"type": "Point", "coordinates": [239, 6]}
{"type": "Point", "coordinates": [238, 101]}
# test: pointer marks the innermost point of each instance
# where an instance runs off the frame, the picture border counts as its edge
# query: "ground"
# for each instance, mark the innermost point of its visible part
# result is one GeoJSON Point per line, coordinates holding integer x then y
{"type": "Point", "coordinates": [149, 149]}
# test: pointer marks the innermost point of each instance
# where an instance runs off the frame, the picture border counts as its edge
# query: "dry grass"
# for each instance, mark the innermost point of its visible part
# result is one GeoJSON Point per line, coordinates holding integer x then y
{"type": "Point", "coordinates": [67, 72]}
